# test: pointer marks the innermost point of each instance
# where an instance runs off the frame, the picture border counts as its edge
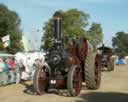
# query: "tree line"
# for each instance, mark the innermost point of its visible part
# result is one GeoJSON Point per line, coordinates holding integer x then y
{"type": "Point", "coordinates": [74, 24]}
{"type": "Point", "coordinates": [120, 44]}
{"type": "Point", "coordinates": [10, 25]}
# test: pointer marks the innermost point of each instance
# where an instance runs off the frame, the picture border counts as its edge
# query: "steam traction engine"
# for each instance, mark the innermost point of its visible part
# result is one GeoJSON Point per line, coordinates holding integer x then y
{"type": "Point", "coordinates": [68, 68]}
{"type": "Point", "coordinates": [107, 61]}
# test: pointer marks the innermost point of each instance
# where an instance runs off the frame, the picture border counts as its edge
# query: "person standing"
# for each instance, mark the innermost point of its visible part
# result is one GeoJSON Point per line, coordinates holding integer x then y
{"type": "Point", "coordinates": [12, 70]}
{"type": "Point", "coordinates": [6, 72]}
{"type": "Point", "coordinates": [1, 71]}
{"type": "Point", "coordinates": [21, 68]}
{"type": "Point", "coordinates": [18, 73]}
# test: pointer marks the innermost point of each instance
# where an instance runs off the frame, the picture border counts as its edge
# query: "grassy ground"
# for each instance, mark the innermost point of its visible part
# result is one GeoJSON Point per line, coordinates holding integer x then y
{"type": "Point", "coordinates": [114, 88]}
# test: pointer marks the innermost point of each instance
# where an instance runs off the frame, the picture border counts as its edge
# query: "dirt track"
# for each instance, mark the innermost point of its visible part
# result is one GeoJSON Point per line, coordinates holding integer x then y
{"type": "Point", "coordinates": [114, 88]}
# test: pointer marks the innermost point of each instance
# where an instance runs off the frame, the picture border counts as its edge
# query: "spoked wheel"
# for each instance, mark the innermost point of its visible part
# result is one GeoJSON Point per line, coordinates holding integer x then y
{"type": "Point", "coordinates": [40, 81]}
{"type": "Point", "coordinates": [74, 80]}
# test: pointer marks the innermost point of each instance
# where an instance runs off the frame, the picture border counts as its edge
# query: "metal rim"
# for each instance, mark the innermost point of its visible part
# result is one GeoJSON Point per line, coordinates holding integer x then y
{"type": "Point", "coordinates": [42, 81]}
{"type": "Point", "coordinates": [97, 72]}
{"type": "Point", "coordinates": [77, 82]}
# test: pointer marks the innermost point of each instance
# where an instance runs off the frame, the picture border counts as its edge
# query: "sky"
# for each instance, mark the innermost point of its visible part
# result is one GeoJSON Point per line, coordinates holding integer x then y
{"type": "Point", "coordinates": [111, 14]}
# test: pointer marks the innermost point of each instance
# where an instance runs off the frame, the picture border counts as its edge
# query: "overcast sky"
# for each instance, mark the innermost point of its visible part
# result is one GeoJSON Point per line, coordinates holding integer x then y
{"type": "Point", "coordinates": [111, 14]}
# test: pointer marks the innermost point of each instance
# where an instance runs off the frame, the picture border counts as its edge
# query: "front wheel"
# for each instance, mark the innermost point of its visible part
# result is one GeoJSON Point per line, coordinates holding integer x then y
{"type": "Point", "coordinates": [74, 80]}
{"type": "Point", "coordinates": [40, 81]}
{"type": "Point", "coordinates": [111, 64]}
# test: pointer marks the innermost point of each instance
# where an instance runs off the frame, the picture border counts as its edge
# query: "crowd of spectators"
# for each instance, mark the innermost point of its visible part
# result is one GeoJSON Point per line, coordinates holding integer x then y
{"type": "Point", "coordinates": [12, 71]}
{"type": "Point", "coordinates": [19, 67]}
{"type": "Point", "coordinates": [7, 71]}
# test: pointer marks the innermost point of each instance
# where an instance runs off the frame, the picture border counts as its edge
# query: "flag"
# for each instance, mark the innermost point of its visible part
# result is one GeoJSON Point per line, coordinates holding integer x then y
{"type": "Point", "coordinates": [25, 43]}
{"type": "Point", "coordinates": [6, 43]}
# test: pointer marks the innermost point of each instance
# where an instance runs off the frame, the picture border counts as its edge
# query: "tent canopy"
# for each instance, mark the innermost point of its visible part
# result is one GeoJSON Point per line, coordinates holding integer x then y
{"type": "Point", "coordinates": [104, 47]}
{"type": "Point", "coordinates": [6, 55]}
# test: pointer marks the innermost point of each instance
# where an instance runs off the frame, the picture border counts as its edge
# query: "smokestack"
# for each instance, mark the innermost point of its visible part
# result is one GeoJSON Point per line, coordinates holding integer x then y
{"type": "Point", "coordinates": [57, 29]}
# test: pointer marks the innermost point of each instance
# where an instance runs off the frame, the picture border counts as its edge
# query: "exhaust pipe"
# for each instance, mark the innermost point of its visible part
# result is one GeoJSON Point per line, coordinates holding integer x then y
{"type": "Point", "coordinates": [57, 28]}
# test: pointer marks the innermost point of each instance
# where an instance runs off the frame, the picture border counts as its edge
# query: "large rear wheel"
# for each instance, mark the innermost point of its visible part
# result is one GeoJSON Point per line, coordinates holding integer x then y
{"type": "Point", "coordinates": [92, 71]}
{"type": "Point", "coordinates": [74, 80]}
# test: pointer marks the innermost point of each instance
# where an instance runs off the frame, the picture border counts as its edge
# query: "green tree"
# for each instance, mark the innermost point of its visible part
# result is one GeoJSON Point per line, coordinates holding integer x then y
{"type": "Point", "coordinates": [95, 34]}
{"type": "Point", "coordinates": [10, 24]}
{"type": "Point", "coordinates": [120, 44]}
{"type": "Point", "coordinates": [73, 25]}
